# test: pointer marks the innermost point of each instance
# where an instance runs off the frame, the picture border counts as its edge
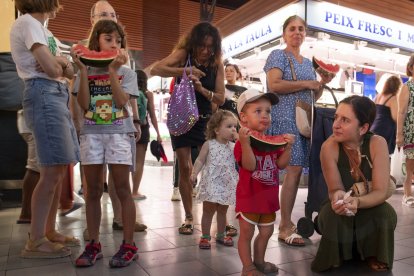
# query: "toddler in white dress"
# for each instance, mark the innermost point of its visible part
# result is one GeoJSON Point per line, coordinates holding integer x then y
{"type": "Point", "coordinates": [217, 188]}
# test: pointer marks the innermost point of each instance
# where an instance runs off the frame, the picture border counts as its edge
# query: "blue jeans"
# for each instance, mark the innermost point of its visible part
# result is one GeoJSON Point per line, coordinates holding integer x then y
{"type": "Point", "coordinates": [46, 112]}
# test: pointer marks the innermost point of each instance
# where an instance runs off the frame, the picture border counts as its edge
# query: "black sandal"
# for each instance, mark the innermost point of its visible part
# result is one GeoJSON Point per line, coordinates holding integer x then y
{"type": "Point", "coordinates": [187, 227]}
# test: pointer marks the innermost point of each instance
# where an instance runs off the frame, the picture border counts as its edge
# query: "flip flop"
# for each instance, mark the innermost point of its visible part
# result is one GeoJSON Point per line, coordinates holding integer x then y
{"type": "Point", "coordinates": [376, 265]}
{"type": "Point", "coordinates": [23, 221]}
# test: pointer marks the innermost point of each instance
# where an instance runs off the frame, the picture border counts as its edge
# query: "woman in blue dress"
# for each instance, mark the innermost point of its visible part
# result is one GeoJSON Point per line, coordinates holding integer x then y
{"type": "Point", "coordinates": [291, 86]}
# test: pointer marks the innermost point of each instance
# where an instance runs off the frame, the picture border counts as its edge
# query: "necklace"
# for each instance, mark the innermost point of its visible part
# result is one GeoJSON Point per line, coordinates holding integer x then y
{"type": "Point", "coordinates": [200, 64]}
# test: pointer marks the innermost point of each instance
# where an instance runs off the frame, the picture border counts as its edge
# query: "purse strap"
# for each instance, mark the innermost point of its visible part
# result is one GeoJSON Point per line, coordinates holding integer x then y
{"type": "Point", "coordinates": [292, 69]}
{"type": "Point", "coordinates": [188, 64]}
{"type": "Point", "coordinates": [355, 166]}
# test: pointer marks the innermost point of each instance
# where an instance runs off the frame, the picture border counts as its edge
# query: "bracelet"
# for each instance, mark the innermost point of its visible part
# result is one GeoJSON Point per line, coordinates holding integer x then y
{"type": "Point", "coordinates": [211, 95]}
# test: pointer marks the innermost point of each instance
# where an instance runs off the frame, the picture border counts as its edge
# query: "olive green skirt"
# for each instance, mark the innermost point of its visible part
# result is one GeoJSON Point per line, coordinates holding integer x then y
{"type": "Point", "coordinates": [370, 233]}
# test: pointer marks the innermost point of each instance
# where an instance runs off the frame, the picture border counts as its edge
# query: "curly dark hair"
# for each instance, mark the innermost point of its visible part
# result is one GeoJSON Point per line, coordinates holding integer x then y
{"type": "Point", "coordinates": [195, 38]}
{"type": "Point", "coordinates": [215, 122]}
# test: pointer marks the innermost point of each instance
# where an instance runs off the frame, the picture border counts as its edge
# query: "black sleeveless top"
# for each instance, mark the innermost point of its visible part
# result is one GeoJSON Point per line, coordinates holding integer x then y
{"type": "Point", "coordinates": [208, 82]}
{"type": "Point", "coordinates": [384, 125]}
{"type": "Point", "coordinates": [345, 168]}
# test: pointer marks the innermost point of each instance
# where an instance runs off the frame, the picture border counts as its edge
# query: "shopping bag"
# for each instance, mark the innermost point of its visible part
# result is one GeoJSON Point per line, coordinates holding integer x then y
{"type": "Point", "coordinates": [398, 170]}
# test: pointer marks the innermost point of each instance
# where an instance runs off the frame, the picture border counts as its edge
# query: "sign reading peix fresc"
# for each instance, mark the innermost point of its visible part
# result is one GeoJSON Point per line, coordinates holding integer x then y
{"type": "Point", "coordinates": [326, 17]}
{"type": "Point", "coordinates": [337, 19]}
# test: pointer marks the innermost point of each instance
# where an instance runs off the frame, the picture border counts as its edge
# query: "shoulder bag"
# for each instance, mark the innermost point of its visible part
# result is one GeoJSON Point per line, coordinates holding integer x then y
{"type": "Point", "coordinates": [303, 110]}
{"type": "Point", "coordinates": [364, 187]}
{"type": "Point", "coordinates": [182, 108]}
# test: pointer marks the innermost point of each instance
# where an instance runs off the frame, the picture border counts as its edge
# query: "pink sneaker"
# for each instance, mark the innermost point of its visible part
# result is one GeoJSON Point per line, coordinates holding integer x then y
{"type": "Point", "coordinates": [92, 253]}
{"type": "Point", "coordinates": [127, 254]}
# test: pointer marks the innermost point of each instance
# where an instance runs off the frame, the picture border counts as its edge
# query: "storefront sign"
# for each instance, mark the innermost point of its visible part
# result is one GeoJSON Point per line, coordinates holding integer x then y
{"type": "Point", "coordinates": [259, 32]}
{"type": "Point", "coordinates": [361, 25]}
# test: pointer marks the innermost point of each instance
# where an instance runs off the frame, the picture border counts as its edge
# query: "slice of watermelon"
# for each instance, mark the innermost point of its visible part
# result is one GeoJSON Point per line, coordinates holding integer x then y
{"type": "Point", "coordinates": [266, 143]}
{"type": "Point", "coordinates": [94, 58]}
{"type": "Point", "coordinates": [325, 68]}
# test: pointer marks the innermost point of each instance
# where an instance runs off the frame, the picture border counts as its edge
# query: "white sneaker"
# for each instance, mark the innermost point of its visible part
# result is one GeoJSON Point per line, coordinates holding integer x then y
{"type": "Point", "coordinates": [176, 196]}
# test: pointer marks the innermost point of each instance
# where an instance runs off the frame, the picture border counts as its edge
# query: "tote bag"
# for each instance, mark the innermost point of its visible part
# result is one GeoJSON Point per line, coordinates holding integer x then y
{"type": "Point", "coordinates": [182, 108]}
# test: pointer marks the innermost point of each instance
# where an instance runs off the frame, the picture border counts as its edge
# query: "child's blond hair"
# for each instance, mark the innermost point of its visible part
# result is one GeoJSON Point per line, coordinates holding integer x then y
{"type": "Point", "coordinates": [215, 121]}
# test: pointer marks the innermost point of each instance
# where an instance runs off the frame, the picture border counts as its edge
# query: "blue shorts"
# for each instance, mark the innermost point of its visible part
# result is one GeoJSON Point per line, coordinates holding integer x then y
{"type": "Point", "coordinates": [46, 113]}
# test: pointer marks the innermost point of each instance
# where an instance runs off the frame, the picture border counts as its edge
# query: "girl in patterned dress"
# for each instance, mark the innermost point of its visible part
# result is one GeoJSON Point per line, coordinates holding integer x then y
{"type": "Point", "coordinates": [219, 176]}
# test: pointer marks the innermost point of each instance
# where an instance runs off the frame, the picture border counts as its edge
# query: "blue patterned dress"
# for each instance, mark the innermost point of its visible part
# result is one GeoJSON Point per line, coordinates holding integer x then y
{"type": "Point", "coordinates": [283, 114]}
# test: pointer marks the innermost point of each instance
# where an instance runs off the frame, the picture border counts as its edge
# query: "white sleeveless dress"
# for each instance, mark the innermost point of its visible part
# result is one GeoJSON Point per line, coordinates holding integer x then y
{"type": "Point", "coordinates": [219, 175]}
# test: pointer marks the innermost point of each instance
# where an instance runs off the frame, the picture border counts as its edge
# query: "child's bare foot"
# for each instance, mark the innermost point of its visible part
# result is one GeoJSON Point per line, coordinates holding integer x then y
{"type": "Point", "coordinates": [251, 270]}
{"type": "Point", "coordinates": [376, 265]}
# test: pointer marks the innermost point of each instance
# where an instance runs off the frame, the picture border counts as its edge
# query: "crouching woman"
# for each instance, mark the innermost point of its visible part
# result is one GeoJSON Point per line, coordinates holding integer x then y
{"type": "Point", "coordinates": [355, 227]}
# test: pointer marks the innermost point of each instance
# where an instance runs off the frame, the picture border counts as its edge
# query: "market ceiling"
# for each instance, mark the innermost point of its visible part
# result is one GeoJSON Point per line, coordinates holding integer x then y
{"type": "Point", "coordinates": [228, 4]}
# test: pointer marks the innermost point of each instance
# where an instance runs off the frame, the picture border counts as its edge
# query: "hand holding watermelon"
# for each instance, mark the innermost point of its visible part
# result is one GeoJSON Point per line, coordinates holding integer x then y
{"type": "Point", "coordinates": [244, 135]}
{"type": "Point", "coordinates": [325, 70]}
{"type": "Point", "coordinates": [120, 59]}
{"type": "Point", "coordinates": [289, 139]}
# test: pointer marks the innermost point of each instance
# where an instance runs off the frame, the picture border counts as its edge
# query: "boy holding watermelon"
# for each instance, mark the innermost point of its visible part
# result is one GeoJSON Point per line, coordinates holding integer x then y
{"type": "Point", "coordinates": [257, 194]}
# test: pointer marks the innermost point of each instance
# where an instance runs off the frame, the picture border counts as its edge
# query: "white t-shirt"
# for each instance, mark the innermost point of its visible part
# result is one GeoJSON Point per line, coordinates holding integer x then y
{"type": "Point", "coordinates": [103, 116]}
{"type": "Point", "coordinates": [25, 32]}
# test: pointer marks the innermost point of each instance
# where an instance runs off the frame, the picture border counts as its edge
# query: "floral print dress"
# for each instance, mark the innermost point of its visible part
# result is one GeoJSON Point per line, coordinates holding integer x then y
{"type": "Point", "coordinates": [408, 128]}
{"type": "Point", "coordinates": [219, 176]}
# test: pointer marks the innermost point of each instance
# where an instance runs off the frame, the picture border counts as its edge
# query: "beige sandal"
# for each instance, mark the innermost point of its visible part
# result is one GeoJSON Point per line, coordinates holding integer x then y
{"type": "Point", "coordinates": [251, 270]}
{"type": "Point", "coordinates": [68, 241]}
{"type": "Point", "coordinates": [54, 250]}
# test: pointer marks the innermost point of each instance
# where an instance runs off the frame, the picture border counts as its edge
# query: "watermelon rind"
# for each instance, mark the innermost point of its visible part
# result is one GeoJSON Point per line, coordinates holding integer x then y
{"type": "Point", "coordinates": [96, 62]}
{"type": "Point", "coordinates": [330, 68]}
{"type": "Point", "coordinates": [265, 146]}
{"type": "Point", "coordinates": [94, 58]}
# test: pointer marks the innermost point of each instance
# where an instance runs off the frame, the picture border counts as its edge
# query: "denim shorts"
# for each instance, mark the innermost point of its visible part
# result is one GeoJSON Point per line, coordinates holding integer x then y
{"type": "Point", "coordinates": [46, 113]}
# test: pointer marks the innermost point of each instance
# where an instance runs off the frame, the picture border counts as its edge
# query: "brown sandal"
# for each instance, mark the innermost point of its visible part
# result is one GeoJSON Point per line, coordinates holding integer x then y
{"type": "Point", "coordinates": [68, 241]}
{"type": "Point", "coordinates": [251, 270]}
{"type": "Point", "coordinates": [54, 250]}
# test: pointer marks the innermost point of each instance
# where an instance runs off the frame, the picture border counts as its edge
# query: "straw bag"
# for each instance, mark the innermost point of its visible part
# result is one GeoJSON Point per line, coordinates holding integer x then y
{"type": "Point", "coordinates": [364, 187]}
{"type": "Point", "coordinates": [182, 108]}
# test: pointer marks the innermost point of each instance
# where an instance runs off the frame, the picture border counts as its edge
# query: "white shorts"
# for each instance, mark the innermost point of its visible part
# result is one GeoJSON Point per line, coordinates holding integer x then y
{"type": "Point", "coordinates": [107, 149]}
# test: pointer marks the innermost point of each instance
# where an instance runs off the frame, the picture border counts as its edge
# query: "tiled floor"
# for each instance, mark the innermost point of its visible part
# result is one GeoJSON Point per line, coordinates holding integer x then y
{"type": "Point", "coordinates": [164, 252]}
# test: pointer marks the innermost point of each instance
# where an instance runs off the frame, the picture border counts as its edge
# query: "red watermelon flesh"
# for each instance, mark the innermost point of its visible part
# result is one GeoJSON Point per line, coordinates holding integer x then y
{"type": "Point", "coordinates": [266, 143]}
{"type": "Point", "coordinates": [326, 68]}
{"type": "Point", "coordinates": [94, 58]}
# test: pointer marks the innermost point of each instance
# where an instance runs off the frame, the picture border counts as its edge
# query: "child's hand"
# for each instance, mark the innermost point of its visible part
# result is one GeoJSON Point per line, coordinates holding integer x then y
{"type": "Point", "coordinates": [75, 57]}
{"type": "Point", "coordinates": [193, 178]}
{"type": "Point", "coordinates": [289, 138]}
{"type": "Point", "coordinates": [120, 60]}
{"type": "Point", "coordinates": [244, 135]}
